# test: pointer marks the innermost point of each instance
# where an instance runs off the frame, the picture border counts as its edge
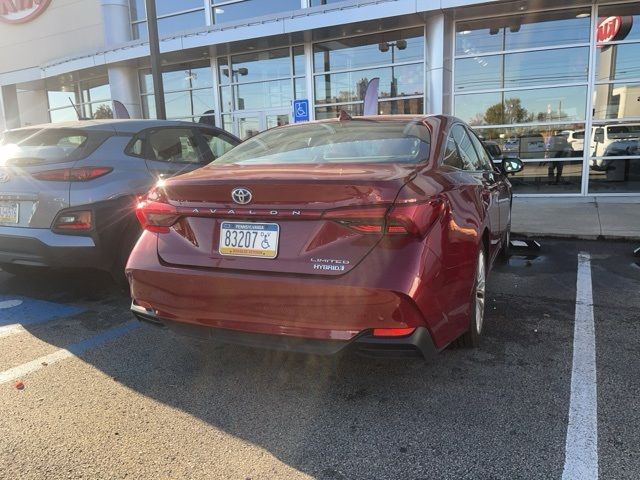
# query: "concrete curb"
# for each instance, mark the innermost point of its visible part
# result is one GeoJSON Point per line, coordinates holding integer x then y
{"type": "Point", "coordinates": [578, 236]}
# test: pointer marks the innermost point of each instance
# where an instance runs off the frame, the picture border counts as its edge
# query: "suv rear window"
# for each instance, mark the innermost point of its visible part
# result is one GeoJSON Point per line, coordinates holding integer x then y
{"type": "Point", "coordinates": [350, 141]}
{"type": "Point", "coordinates": [42, 146]}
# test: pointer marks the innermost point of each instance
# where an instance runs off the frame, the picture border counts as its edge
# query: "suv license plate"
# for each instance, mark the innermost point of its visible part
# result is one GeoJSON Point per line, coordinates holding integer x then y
{"type": "Point", "coordinates": [9, 212]}
{"type": "Point", "coordinates": [258, 240]}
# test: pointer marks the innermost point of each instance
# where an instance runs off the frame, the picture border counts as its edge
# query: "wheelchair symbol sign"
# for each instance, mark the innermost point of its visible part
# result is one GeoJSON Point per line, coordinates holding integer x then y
{"type": "Point", "coordinates": [301, 111]}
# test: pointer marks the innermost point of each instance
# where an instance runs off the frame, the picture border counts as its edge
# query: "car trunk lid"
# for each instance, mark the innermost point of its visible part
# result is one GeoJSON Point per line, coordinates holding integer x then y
{"type": "Point", "coordinates": [321, 214]}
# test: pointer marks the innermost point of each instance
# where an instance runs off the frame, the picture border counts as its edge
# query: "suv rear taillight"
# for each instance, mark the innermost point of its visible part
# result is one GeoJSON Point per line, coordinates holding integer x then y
{"type": "Point", "coordinates": [77, 221]}
{"type": "Point", "coordinates": [155, 214]}
{"type": "Point", "coordinates": [82, 174]}
{"type": "Point", "coordinates": [409, 218]}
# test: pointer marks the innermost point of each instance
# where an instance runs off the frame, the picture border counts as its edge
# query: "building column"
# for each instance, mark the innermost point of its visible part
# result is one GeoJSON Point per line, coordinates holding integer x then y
{"type": "Point", "coordinates": [438, 64]}
{"type": "Point", "coordinates": [125, 88]}
{"type": "Point", "coordinates": [10, 106]}
{"type": "Point", "coordinates": [33, 106]}
{"type": "Point", "coordinates": [116, 22]}
{"type": "Point", "coordinates": [122, 79]}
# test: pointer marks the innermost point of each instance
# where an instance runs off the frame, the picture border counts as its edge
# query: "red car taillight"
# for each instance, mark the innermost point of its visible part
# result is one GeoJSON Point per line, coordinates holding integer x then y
{"type": "Point", "coordinates": [405, 219]}
{"type": "Point", "coordinates": [155, 214]}
{"type": "Point", "coordinates": [83, 174]}
{"type": "Point", "coordinates": [364, 220]}
{"type": "Point", "coordinates": [414, 218]}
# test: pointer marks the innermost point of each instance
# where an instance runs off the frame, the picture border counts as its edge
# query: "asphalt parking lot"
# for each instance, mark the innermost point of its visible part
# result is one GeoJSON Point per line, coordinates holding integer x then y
{"type": "Point", "coordinates": [104, 397]}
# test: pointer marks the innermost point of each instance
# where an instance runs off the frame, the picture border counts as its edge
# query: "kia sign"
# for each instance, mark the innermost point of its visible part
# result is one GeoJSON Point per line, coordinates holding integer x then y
{"type": "Point", "coordinates": [614, 28]}
{"type": "Point", "coordinates": [21, 11]}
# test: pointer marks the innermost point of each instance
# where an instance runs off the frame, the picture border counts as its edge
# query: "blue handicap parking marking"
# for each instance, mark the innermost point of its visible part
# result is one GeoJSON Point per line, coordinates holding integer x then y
{"type": "Point", "coordinates": [301, 111]}
{"type": "Point", "coordinates": [27, 311]}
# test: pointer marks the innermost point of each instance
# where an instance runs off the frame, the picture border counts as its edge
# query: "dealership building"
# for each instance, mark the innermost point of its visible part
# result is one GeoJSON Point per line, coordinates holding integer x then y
{"type": "Point", "coordinates": [525, 74]}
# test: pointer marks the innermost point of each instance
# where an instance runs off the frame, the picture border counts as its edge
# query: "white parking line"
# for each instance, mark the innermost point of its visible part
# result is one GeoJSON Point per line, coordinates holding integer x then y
{"type": "Point", "coordinates": [75, 349]}
{"type": "Point", "coordinates": [6, 304]}
{"type": "Point", "coordinates": [581, 451]}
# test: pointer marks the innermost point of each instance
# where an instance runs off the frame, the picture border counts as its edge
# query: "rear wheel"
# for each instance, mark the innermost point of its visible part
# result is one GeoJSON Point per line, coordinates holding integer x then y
{"type": "Point", "coordinates": [505, 251]}
{"type": "Point", "coordinates": [120, 262]}
{"type": "Point", "coordinates": [471, 338]}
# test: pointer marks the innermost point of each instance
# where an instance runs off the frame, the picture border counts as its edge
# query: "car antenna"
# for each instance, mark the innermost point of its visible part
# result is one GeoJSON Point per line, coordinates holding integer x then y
{"type": "Point", "coordinates": [78, 114]}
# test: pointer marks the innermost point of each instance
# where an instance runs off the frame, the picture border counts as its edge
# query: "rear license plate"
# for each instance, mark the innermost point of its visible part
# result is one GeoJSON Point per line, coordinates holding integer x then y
{"type": "Point", "coordinates": [258, 240]}
{"type": "Point", "coordinates": [9, 212]}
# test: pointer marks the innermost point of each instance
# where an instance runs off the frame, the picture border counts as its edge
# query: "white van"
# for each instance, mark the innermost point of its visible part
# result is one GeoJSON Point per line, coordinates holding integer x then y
{"type": "Point", "coordinates": [604, 138]}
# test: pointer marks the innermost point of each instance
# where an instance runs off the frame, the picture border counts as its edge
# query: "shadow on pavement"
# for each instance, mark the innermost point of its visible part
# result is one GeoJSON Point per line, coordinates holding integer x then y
{"type": "Point", "coordinates": [464, 414]}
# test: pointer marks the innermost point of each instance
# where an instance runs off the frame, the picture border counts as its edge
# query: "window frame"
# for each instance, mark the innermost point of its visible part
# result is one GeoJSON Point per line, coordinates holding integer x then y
{"type": "Point", "coordinates": [464, 130]}
{"type": "Point", "coordinates": [201, 147]}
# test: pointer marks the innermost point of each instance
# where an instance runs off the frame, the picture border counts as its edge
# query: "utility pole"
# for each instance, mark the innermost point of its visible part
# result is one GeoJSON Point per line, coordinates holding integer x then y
{"type": "Point", "coordinates": [156, 66]}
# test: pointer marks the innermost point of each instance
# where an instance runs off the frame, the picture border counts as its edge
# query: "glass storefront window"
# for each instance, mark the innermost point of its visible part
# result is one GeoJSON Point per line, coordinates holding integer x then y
{"type": "Point", "coordinates": [263, 95]}
{"type": "Point", "coordinates": [63, 115]}
{"type": "Point", "coordinates": [225, 99]}
{"type": "Point", "coordinates": [262, 80]}
{"type": "Point", "coordinates": [409, 106]}
{"type": "Point", "coordinates": [522, 106]}
{"type": "Point", "coordinates": [630, 24]}
{"type": "Point", "coordinates": [614, 145]}
{"type": "Point", "coordinates": [166, 7]}
{"type": "Point", "coordinates": [300, 88]}
{"type": "Point", "coordinates": [369, 50]}
{"type": "Point", "coordinates": [188, 89]}
{"type": "Point", "coordinates": [526, 31]}
{"type": "Point", "coordinates": [260, 66]}
{"type": "Point", "coordinates": [339, 76]}
{"type": "Point", "coordinates": [173, 17]}
{"type": "Point", "coordinates": [137, 9]}
{"type": "Point", "coordinates": [537, 142]}
{"type": "Point", "coordinates": [189, 103]}
{"type": "Point", "coordinates": [180, 78]}
{"type": "Point", "coordinates": [225, 11]}
{"type": "Point", "coordinates": [333, 111]}
{"type": "Point", "coordinates": [527, 69]}
{"type": "Point", "coordinates": [499, 62]}
{"type": "Point", "coordinates": [178, 23]}
{"type": "Point", "coordinates": [299, 67]}
{"type": "Point", "coordinates": [91, 96]}
{"type": "Point", "coordinates": [549, 177]}
{"type": "Point", "coordinates": [616, 100]}
{"type": "Point", "coordinates": [618, 62]}
{"type": "Point", "coordinates": [615, 176]}
{"type": "Point", "coordinates": [351, 86]}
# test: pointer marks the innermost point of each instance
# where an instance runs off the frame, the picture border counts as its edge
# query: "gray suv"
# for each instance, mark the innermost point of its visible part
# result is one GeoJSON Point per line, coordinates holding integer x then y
{"type": "Point", "coordinates": [68, 191]}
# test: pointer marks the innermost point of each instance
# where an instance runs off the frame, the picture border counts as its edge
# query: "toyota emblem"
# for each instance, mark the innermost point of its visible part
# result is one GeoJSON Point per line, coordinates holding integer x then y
{"type": "Point", "coordinates": [4, 177]}
{"type": "Point", "coordinates": [241, 196]}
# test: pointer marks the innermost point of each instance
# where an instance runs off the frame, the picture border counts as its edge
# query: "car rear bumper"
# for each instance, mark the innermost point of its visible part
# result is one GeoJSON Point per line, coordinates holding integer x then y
{"type": "Point", "coordinates": [42, 248]}
{"type": "Point", "coordinates": [289, 312]}
{"type": "Point", "coordinates": [418, 343]}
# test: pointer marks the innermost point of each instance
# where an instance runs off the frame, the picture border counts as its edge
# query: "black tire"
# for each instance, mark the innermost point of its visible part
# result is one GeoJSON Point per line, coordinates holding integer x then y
{"type": "Point", "coordinates": [505, 251]}
{"type": "Point", "coordinates": [471, 338]}
{"type": "Point", "coordinates": [122, 256]}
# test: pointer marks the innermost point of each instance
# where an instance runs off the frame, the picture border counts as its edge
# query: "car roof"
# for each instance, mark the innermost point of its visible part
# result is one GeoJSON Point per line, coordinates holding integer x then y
{"type": "Point", "coordinates": [389, 118]}
{"type": "Point", "coordinates": [118, 126]}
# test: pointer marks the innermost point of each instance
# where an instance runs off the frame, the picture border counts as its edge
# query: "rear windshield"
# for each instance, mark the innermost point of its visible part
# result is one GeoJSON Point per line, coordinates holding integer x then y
{"type": "Point", "coordinates": [350, 141]}
{"type": "Point", "coordinates": [36, 147]}
{"type": "Point", "coordinates": [624, 131]}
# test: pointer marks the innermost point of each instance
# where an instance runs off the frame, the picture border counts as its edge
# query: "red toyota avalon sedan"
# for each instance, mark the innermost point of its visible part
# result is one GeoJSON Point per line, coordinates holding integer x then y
{"type": "Point", "coordinates": [372, 232]}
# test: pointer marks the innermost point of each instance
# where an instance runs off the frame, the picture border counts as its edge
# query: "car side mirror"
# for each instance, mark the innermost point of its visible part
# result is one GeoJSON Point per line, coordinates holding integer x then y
{"type": "Point", "coordinates": [512, 165]}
